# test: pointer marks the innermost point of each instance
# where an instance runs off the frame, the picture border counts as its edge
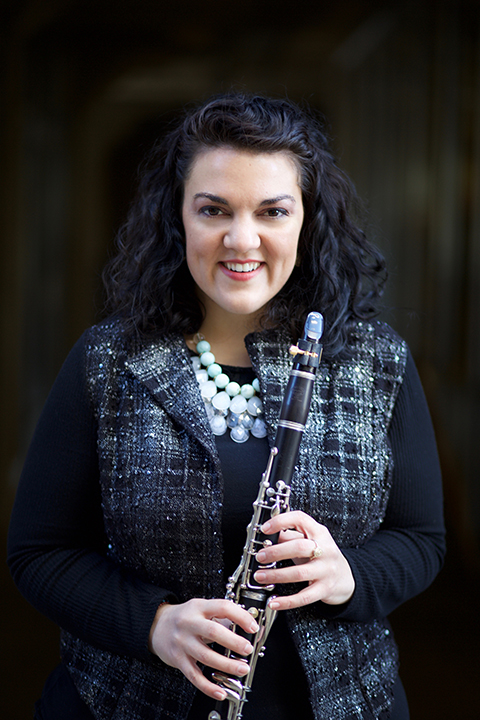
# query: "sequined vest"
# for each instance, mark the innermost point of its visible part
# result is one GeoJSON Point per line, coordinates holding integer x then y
{"type": "Point", "coordinates": [162, 492]}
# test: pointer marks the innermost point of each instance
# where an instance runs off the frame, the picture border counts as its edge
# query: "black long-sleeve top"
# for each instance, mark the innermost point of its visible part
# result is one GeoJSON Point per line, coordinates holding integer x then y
{"type": "Point", "coordinates": [57, 540]}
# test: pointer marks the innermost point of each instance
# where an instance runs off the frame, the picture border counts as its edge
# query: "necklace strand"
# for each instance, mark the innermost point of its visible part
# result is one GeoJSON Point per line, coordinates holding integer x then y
{"type": "Point", "coordinates": [228, 405]}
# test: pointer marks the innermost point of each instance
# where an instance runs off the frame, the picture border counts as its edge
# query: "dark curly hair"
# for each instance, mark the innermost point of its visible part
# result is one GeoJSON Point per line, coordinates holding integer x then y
{"type": "Point", "coordinates": [339, 272]}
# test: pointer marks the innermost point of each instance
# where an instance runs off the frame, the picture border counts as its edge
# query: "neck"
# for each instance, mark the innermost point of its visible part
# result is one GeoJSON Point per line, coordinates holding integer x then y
{"type": "Point", "coordinates": [226, 336]}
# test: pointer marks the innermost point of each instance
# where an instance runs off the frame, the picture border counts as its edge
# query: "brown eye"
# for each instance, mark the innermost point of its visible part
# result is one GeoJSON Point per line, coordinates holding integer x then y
{"type": "Point", "coordinates": [211, 211]}
{"type": "Point", "coordinates": [275, 212]}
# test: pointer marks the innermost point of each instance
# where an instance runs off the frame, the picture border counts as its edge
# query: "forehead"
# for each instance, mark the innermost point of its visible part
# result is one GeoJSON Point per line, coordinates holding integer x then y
{"type": "Point", "coordinates": [237, 167]}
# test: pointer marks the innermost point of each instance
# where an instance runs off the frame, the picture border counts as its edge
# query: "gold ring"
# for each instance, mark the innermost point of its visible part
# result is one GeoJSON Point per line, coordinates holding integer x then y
{"type": "Point", "coordinates": [317, 551]}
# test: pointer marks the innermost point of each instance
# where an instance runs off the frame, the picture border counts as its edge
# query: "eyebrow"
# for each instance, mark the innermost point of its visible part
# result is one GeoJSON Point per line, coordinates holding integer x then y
{"type": "Point", "coordinates": [222, 201]}
{"type": "Point", "coordinates": [279, 198]}
{"type": "Point", "coordinates": [209, 196]}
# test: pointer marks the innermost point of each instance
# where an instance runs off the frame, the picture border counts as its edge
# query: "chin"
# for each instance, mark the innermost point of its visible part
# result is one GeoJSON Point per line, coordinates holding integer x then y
{"type": "Point", "coordinates": [248, 310]}
{"type": "Point", "coordinates": [227, 304]}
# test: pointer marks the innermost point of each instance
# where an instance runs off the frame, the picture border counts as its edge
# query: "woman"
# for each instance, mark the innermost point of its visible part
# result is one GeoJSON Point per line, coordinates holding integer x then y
{"type": "Point", "coordinates": [131, 512]}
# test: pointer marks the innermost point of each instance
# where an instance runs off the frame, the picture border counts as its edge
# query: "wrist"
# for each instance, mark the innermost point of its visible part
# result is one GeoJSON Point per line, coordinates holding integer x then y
{"type": "Point", "coordinates": [160, 610]}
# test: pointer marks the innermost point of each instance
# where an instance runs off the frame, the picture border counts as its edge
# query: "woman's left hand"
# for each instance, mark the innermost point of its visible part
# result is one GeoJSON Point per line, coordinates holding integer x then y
{"type": "Point", "coordinates": [318, 561]}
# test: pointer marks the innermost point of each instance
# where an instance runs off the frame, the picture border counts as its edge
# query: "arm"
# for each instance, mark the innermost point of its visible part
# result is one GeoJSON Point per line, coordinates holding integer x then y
{"type": "Point", "coordinates": [402, 559]}
{"type": "Point", "coordinates": [56, 540]}
{"type": "Point", "coordinates": [57, 553]}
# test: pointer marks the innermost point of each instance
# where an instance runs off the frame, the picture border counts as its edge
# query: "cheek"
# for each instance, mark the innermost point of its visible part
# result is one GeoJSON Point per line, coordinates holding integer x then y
{"type": "Point", "coordinates": [192, 241]}
{"type": "Point", "coordinates": [192, 259]}
{"type": "Point", "coordinates": [199, 258]}
{"type": "Point", "coordinates": [190, 253]}
{"type": "Point", "coordinates": [289, 253]}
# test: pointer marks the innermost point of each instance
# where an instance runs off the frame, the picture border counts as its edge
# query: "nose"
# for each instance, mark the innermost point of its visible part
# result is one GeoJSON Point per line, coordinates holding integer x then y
{"type": "Point", "coordinates": [242, 235]}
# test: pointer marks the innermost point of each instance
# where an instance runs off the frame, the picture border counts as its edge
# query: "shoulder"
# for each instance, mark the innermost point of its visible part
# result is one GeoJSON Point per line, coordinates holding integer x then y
{"type": "Point", "coordinates": [374, 331]}
{"type": "Point", "coordinates": [107, 334]}
{"type": "Point", "coordinates": [379, 339]}
{"type": "Point", "coordinates": [111, 351]}
{"type": "Point", "coordinates": [376, 350]}
{"type": "Point", "coordinates": [110, 340]}
{"type": "Point", "coordinates": [112, 336]}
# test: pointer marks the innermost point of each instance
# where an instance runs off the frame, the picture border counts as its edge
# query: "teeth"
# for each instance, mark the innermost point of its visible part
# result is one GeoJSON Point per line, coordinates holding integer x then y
{"type": "Point", "coordinates": [242, 267]}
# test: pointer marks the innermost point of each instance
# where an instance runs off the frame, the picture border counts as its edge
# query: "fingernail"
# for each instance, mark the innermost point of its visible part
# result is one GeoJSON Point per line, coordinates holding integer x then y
{"type": "Point", "coordinates": [266, 527]}
{"type": "Point", "coordinates": [274, 604]}
{"type": "Point", "coordinates": [220, 695]}
{"type": "Point", "coordinates": [260, 576]}
{"type": "Point", "coordinates": [248, 649]}
{"type": "Point", "coordinates": [254, 628]}
{"type": "Point", "coordinates": [261, 555]}
{"type": "Point", "coordinates": [243, 669]}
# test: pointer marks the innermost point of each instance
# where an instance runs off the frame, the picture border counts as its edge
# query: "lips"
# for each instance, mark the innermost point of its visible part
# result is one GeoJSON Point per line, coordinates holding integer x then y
{"type": "Point", "coordinates": [241, 267]}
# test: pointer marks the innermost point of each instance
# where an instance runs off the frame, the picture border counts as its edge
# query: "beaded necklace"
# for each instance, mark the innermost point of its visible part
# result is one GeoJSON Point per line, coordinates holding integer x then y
{"type": "Point", "coordinates": [228, 405]}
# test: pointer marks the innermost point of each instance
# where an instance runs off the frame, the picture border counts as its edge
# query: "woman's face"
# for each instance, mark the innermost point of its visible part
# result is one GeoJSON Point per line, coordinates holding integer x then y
{"type": "Point", "coordinates": [242, 214]}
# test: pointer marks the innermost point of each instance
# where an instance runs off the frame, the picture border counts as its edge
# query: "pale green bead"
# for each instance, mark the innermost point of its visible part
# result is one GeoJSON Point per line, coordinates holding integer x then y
{"type": "Point", "coordinates": [247, 391]}
{"type": "Point", "coordinates": [256, 385]}
{"type": "Point", "coordinates": [222, 380]}
{"type": "Point", "coordinates": [233, 388]}
{"type": "Point", "coordinates": [203, 346]}
{"type": "Point", "coordinates": [214, 369]}
{"type": "Point", "coordinates": [207, 358]}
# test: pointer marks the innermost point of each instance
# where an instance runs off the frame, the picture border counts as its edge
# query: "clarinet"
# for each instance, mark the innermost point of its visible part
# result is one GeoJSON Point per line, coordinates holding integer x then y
{"type": "Point", "coordinates": [273, 498]}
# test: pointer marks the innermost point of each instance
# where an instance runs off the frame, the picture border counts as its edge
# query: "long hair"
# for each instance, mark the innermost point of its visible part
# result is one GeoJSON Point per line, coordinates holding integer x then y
{"type": "Point", "coordinates": [338, 271]}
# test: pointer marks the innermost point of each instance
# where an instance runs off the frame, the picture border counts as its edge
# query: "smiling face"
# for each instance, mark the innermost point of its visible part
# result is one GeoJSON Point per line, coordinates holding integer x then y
{"type": "Point", "coordinates": [242, 215]}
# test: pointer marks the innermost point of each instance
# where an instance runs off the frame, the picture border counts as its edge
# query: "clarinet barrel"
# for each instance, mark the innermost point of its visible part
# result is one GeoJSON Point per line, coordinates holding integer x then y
{"type": "Point", "coordinates": [273, 498]}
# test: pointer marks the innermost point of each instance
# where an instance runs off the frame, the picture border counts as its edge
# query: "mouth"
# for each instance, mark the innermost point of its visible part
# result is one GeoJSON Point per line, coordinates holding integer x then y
{"type": "Point", "coordinates": [241, 267]}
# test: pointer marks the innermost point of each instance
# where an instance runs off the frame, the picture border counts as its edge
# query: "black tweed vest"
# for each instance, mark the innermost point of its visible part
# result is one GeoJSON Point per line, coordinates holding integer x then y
{"type": "Point", "coordinates": [162, 492]}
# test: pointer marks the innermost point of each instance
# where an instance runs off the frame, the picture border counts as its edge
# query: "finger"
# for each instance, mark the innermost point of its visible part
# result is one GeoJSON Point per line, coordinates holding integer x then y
{"type": "Point", "coordinates": [214, 632]}
{"type": "Point", "coordinates": [223, 621]}
{"type": "Point", "coordinates": [193, 673]}
{"type": "Point", "coordinates": [295, 519]}
{"type": "Point", "coordinates": [218, 661]}
{"type": "Point", "coordinates": [308, 595]}
{"type": "Point", "coordinates": [228, 610]}
{"type": "Point", "coordinates": [287, 535]}
{"type": "Point", "coordinates": [298, 548]}
{"type": "Point", "coordinates": [305, 572]}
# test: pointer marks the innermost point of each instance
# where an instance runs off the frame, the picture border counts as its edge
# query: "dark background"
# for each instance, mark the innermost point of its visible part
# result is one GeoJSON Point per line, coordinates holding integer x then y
{"type": "Point", "coordinates": [87, 85]}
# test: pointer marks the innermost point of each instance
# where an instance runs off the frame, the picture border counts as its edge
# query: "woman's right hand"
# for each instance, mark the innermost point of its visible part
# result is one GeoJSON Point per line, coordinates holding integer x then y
{"type": "Point", "coordinates": [180, 636]}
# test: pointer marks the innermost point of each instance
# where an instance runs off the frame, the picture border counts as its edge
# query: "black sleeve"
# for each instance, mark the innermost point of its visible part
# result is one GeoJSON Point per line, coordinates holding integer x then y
{"type": "Point", "coordinates": [56, 544]}
{"type": "Point", "coordinates": [406, 554]}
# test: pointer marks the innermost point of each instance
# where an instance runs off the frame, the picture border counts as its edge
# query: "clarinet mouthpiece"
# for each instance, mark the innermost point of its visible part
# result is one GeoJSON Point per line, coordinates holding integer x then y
{"type": "Point", "coordinates": [314, 326]}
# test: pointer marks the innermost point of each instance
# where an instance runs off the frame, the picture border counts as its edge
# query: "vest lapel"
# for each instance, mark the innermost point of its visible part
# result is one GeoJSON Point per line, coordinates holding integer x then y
{"type": "Point", "coordinates": [165, 369]}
